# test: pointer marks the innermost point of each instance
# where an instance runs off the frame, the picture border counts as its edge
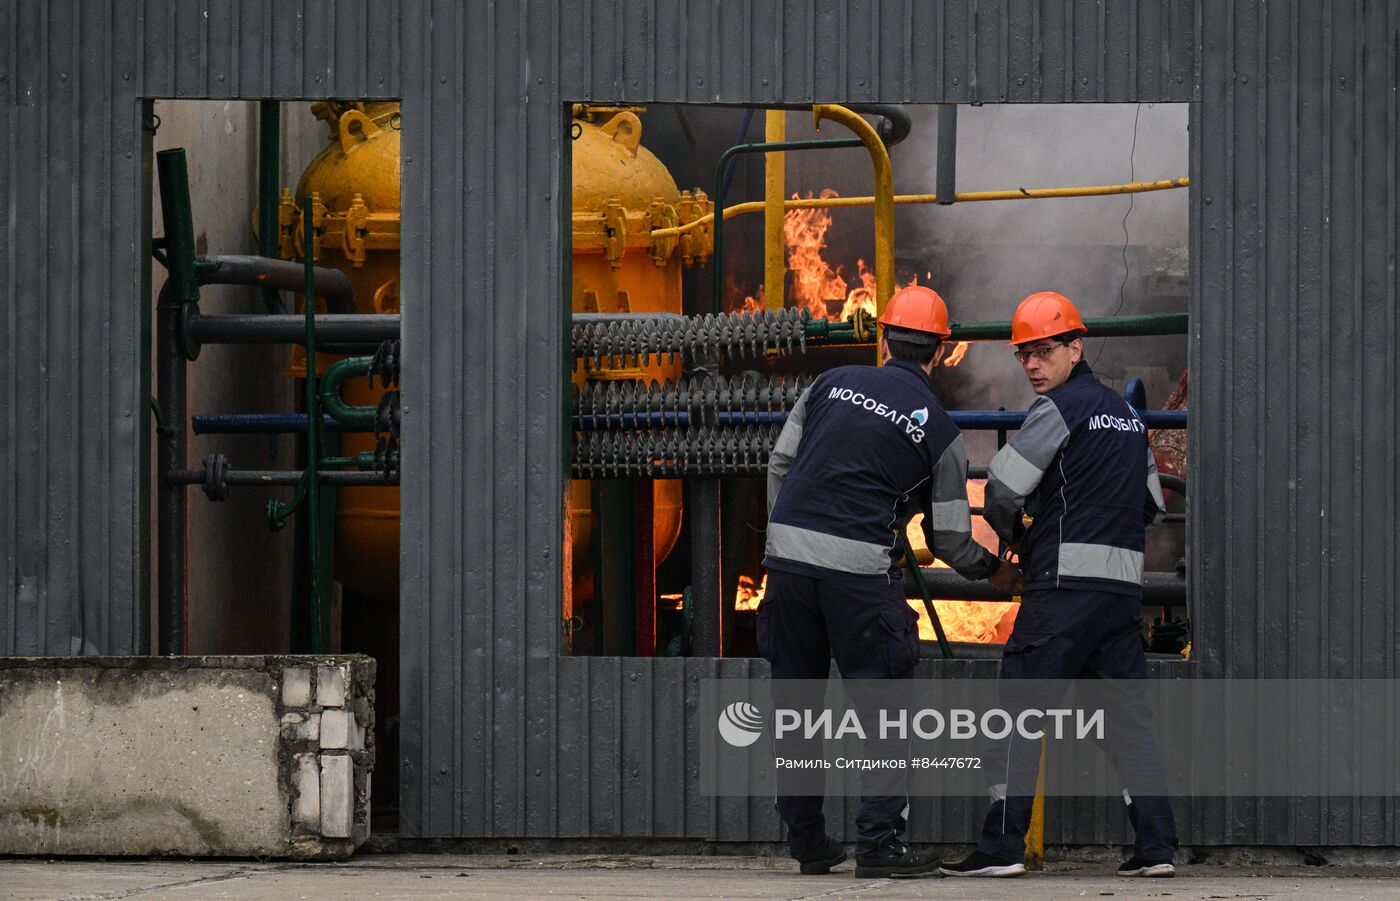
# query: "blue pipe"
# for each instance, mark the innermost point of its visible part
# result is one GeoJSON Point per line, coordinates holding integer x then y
{"type": "Point", "coordinates": [260, 423]}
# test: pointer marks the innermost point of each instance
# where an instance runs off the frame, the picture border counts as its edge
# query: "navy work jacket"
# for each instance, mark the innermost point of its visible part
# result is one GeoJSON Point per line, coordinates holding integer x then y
{"type": "Point", "coordinates": [863, 450]}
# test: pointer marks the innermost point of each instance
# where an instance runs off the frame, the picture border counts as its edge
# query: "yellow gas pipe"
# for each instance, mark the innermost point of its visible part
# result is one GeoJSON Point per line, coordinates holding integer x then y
{"type": "Point", "coordinates": [884, 197]}
{"type": "Point", "coordinates": [740, 209]}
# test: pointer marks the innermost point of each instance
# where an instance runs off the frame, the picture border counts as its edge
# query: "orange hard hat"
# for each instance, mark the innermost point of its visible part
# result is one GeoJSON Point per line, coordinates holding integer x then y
{"type": "Point", "coordinates": [917, 309]}
{"type": "Point", "coordinates": [1045, 314]}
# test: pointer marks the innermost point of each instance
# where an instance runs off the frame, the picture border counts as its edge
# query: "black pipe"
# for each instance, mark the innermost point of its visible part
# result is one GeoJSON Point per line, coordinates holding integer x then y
{"type": "Point", "coordinates": [703, 509]}
{"type": "Point", "coordinates": [284, 275]}
{"type": "Point", "coordinates": [1158, 590]}
{"type": "Point", "coordinates": [276, 477]}
{"type": "Point", "coordinates": [894, 125]}
{"type": "Point", "coordinates": [946, 185]}
{"type": "Point", "coordinates": [269, 170]}
{"type": "Point", "coordinates": [290, 329]}
{"type": "Point", "coordinates": [264, 424]}
{"type": "Point", "coordinates": [1173, 483]}
{"type": "Point", "coordinates": [172, 586]}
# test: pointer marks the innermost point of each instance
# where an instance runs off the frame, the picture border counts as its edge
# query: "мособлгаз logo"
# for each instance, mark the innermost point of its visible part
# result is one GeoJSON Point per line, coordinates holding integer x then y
{"type": "Point", "coordinates": [740, 724]}
{"type": "Point", "coordinates": [920, 415]}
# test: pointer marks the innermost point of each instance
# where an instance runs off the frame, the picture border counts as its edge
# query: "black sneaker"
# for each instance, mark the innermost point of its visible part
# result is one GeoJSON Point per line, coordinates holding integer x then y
{"type": "Point", "coordinates": [897, 862]}
{"type": "Point", "coordinates": [1137, 866]}
{"type": "Point", "coordinates": [818, 860]}
{"type": "Point", "coordinates": [979, 864]}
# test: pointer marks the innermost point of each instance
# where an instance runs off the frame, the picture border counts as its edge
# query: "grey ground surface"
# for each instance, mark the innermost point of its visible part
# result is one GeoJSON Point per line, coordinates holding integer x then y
{"type": "Point", "coordinates": [617, 876]}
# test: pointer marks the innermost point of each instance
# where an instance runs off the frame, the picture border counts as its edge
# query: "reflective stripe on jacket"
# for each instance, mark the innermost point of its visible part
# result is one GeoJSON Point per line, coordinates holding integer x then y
{"type": "Point", "coordinates": [863, 450]}
{"type": "Point", "coordinates": [1082, 468]}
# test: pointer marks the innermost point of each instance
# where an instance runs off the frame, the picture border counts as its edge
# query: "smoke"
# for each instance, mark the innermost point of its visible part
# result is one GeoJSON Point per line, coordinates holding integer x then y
{"type": "Point", "coordinates": [984, 257]}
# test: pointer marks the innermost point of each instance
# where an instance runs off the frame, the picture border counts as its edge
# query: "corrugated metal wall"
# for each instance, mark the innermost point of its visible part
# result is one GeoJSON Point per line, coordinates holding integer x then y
{"type": "Point", "coordinates": [1294, 427]}
{"type": "Point", "coordinates": [72, 75]}
{"type": "Point", "coordinates": [1294, 291]}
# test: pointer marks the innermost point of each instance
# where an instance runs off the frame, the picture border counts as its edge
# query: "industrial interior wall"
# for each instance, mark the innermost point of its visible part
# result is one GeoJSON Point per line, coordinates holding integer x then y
{"type": "Point", "coordinates": [1293, 435]}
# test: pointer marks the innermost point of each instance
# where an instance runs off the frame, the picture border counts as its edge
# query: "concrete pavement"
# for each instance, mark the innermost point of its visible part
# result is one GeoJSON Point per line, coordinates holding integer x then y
{"type": "Point", "coordinates": [427, 876]}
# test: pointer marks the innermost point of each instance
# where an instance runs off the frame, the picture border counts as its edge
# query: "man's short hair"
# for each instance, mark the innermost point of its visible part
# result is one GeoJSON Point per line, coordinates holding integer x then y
{"type": "Point", "coordinates": [913, 346]}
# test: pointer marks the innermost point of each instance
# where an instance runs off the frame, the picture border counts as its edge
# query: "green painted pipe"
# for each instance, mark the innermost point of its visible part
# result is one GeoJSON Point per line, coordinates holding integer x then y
{"type": "Point", "coordinates": [1114, 327]}
{"type": "Point", "coordinates": [363, 462]}
{"type": "Point", "coordinates": [843, 332]}
{"type": "Point", "coordinates": [178, 242]}
{"type": "Point", "coordinates": [330, 398]}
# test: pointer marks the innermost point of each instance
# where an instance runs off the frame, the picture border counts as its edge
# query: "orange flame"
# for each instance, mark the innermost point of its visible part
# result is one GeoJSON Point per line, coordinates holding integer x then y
{"type": "Point", "coordinates": [814, 281]}
{"type": "Point", "coordinates": [750, 593]}
{"type": "Point", "coordinates": [981, 622]}
{"type": "Point", "coordinates": [862, 297]}
{"type": "Point", "coordinates": [956, 351]}
{"type": "Point", "coordinates": [753, 303]}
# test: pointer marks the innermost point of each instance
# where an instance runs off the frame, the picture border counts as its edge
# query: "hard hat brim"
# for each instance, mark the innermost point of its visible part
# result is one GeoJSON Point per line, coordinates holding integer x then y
{"type": "Point", "coordinates": [1064, 337]}
{"type": "Point", "coordinates": [912, 336]}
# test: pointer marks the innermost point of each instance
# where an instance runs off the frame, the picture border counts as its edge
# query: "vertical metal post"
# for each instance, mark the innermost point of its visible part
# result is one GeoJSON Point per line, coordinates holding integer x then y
{"type": "Point", "coordinates": [269, 166]}
{"type": "Point", "coordinates": [946, 185]}
{"type": "Point", "coordinates": [170, 455]}
{"type": "Point", "coordinates": [702, 506]}
{"type": "Point", "coordinates": [312, 510]}
{"type": "Point", "coordinates": [644, 566]}
{"type": "Point", "coordinates": [614, 595]}
{"type": "Point", "coordinates": [1001, 442]}
{"type": "Point", "coordinates": [180, 288]}
{"type": "Point", "coordinates": [774, 191]}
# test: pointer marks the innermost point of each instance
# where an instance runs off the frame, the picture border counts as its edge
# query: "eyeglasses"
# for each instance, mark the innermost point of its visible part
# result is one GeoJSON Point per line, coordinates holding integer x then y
{"type": "Point", "coordinates": [1038, 353]}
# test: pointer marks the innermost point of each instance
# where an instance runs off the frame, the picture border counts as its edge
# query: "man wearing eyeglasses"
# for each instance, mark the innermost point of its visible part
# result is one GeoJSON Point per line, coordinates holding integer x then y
{"type": "Point", "coordinates": [1074, 490]}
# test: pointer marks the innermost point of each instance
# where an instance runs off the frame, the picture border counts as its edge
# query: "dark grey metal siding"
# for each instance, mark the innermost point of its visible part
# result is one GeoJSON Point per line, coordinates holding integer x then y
{"type": "Point", "coordinates": [501, 736]}
{"type": "Point", "coordinates": [1294, 429]}
{"type": "Point", "coordinates": [1293, 445]}
{"type": "Point", "coordinates": [794, 51]}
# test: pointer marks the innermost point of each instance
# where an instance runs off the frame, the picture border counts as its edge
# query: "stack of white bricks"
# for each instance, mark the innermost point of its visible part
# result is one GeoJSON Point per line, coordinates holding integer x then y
{"type": "Point", "coordinates": [324, 732]}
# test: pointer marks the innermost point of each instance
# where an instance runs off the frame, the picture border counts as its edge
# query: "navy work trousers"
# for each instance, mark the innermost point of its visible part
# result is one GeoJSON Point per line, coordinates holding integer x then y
{"type": "Point", "coordinates": [805, 621]}
{"type": "Point", "coordinates": [1086, 635]}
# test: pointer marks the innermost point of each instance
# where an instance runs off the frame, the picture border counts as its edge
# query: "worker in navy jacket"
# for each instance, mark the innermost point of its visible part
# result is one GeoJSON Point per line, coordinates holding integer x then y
{"type": "Point", "coordinates": [864, 449]}
{"type": "Point", "coordinates": [1081, 473]}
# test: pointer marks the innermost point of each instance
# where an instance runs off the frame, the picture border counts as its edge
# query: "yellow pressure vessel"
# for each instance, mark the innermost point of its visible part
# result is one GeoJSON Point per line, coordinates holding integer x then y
{"type": "Point", "coordinates": [621, 192]}
{"type": "Point", "coordinates": [354, 186]}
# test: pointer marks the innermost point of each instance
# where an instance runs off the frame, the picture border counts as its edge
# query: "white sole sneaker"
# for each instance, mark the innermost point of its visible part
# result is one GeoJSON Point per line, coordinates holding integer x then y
{"type": "Point", "coordinates": [1156, 870]}
{"type": "Point", "coordinates": [1002, 871]}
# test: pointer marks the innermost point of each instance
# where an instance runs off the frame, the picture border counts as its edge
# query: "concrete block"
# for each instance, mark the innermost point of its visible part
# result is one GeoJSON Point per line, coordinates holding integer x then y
{"type": "Point", "coordinates": [180, 756]}
{"type": "Point", "coordinates": [330, 686]}
{"type": "Point", "coordinates": [337, 795]}
{"type": "Point", "coordinates": [336, 728]}
{"type": "Point", "coordinates": [301, 727]}
{"type": "Point", "coordinates": [306, 810]}
{"type": "Point", "coordinates": [296, 687]}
